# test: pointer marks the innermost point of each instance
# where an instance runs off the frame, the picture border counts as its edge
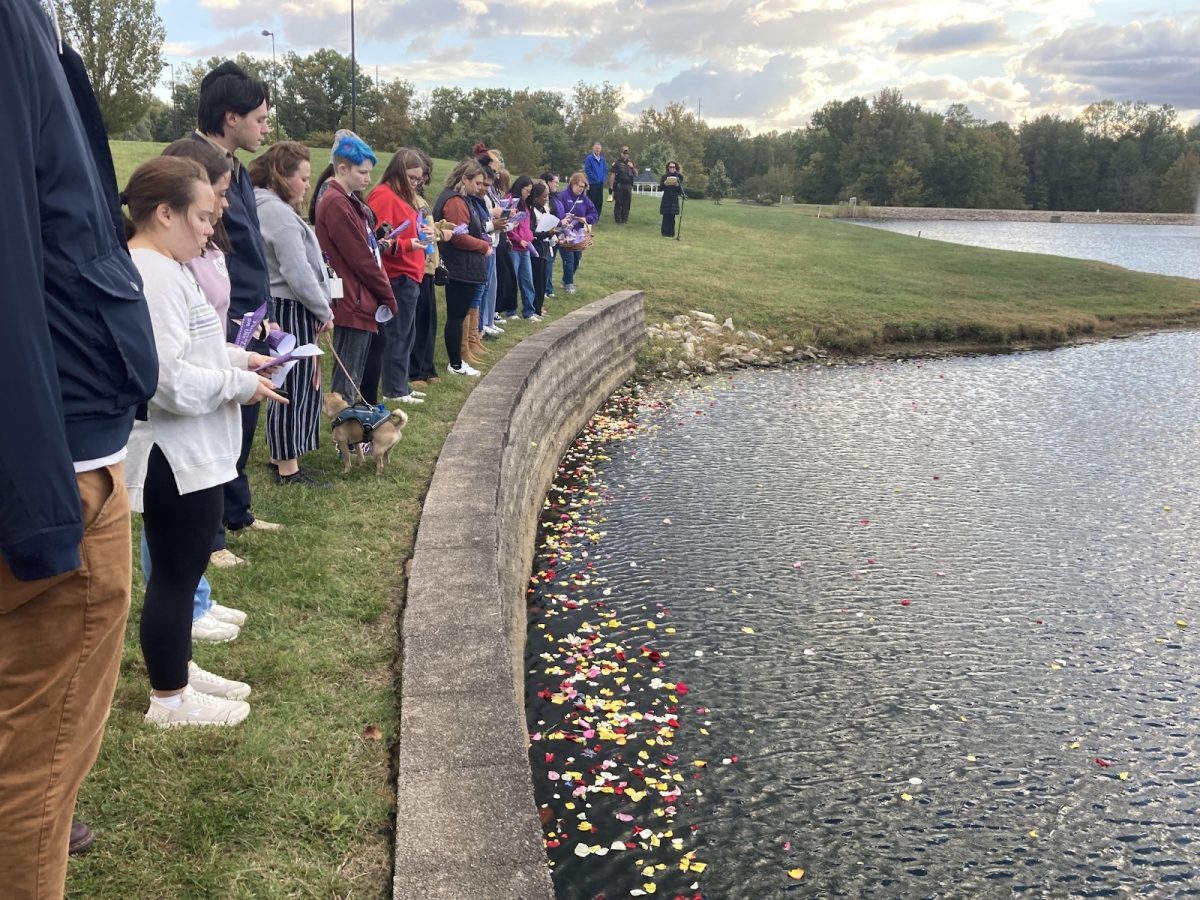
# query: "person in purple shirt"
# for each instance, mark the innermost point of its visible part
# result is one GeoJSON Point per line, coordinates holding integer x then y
{"type": "Point", "coordinates": [575, 203]}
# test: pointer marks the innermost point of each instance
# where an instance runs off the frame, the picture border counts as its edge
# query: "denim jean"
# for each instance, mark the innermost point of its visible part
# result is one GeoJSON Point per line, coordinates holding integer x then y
{"type": "Point", "coordinates": [550, 270]}
{"type": "Point", "coordinates": [571, 261]}
{"type": "Point", "coordinates": [524, 269]}
{"type": "Point", "coordinates": [399, 331]}
{"type": "Point", "coordinates": [486, 294]}
{"type": "Point", "coordinates": [201, 601]}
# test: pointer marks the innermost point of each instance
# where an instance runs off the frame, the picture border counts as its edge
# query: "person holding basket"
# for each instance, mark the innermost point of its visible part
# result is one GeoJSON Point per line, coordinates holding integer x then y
{"type": "Point", "coordinates": [579, 215]}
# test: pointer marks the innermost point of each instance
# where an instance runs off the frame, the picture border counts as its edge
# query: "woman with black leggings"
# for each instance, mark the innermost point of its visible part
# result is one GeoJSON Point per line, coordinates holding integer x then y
{"type": "Point", "coordinates": [464, 255]}
{"type": "Point", "coordinates": [187, 447]}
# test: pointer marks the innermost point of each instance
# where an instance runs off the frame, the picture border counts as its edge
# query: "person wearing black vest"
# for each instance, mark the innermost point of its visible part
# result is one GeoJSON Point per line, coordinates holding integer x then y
{"type": "Point", "coordinates": [232, 116]}
{"type": "Point", "coordinates": [77, 360]}
{"type": "Point", "coordinates": [464, 255]}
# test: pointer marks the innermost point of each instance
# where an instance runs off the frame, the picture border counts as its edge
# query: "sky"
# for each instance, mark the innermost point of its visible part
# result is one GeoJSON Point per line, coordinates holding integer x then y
{"type": "Point", "coordinates": [766, 64]}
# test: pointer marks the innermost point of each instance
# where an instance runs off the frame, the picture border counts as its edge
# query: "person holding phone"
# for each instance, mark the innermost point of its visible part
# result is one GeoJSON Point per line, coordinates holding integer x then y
{"type": "Point", "coordinates": [187, 447]}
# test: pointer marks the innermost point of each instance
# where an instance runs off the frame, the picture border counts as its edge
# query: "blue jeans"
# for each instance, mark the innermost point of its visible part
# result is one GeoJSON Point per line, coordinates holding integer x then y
{"type": "Point", "coordinates": [524, 269]}
{"type": "Point", "coordinates": [487, 294]}
{"type": "Point", "coordinates": [550, 270]}
{"type": "Point", "coordinates": [201, 601]}
{"type": "Point", "coordinates": [571, 260]}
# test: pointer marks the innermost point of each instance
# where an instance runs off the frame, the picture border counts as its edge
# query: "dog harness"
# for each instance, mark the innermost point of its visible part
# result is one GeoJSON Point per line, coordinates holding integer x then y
{"type": "Point", "coordinates": [369, 417]}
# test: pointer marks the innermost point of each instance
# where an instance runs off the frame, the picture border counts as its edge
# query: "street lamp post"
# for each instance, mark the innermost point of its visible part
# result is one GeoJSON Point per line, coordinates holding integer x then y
{"type": "Point", "coordinates": [174, 106]}
{"type": "Point", "coordinates": [353, 76]}
{"type": "Point", "coordinates": [274, 83]}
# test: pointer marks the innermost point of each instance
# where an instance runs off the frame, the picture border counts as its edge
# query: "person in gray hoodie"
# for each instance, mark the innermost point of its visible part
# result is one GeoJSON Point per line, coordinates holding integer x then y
{"type": "Point", "coordinates": [300, 296]}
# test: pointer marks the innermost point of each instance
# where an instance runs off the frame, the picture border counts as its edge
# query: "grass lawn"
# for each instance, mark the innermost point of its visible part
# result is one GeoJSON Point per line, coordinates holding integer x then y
{"type": "Point", "coordinates": [297, 801]}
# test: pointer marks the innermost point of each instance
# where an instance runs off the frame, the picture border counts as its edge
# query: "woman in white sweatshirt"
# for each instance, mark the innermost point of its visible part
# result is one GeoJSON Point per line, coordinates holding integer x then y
{"type": "Point", "coordinates": [187, 446]}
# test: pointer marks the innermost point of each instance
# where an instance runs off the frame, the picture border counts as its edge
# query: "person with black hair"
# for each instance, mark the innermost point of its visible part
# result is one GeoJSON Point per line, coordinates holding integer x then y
{"type": "Point", "coordinates": [232, 115]}
{"type": "Point", "coordinates": [671, 185]}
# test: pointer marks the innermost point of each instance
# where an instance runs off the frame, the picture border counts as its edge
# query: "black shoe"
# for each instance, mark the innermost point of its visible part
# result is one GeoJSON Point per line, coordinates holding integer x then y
{"type": "Point", "coordinates": [302, 478]}
{"type": "Point", "coordinates": [81, 839]}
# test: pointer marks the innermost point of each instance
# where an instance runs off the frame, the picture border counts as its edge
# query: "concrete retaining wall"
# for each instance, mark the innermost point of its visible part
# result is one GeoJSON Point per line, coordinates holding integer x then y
{"type": "Point", "coordinates": [928, 214]}
{"type": "Point", "coordinates": [466, 824]}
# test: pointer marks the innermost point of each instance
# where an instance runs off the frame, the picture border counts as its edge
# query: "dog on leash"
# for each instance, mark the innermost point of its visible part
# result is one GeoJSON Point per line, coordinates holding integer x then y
{"type": "Point", "coordinates": [352, 426]}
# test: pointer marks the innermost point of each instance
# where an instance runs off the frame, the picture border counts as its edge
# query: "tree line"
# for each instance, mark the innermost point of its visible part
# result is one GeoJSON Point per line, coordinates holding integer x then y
{"type": "Point", "coordinates": [1114, 156]}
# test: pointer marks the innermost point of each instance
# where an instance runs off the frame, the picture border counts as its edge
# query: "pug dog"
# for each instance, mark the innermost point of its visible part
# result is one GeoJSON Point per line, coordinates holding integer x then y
{"type": "Point", "coordinates": [351, 433]}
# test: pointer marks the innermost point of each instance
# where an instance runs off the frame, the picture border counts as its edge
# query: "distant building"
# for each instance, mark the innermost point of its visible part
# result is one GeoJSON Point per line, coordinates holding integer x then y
{"type": "Point", "coordinates": [646, 183]}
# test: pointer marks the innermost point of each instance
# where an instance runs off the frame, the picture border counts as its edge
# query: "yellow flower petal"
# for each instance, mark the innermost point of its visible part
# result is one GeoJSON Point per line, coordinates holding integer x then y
{"type": "Point", "coordinates": [795, 874]}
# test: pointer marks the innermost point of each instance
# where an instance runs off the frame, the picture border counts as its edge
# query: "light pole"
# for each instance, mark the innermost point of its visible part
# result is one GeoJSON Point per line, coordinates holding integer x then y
{"type": "Point", "coordinates": [174, 107]}
{"type": "Point", "coordinates": [353, 76]}
{"type": "Point", "coordinates": [274, 83]}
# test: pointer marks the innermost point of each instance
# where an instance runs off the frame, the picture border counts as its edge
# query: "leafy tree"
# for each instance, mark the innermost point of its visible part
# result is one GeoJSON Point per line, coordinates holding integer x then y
{"type": "Point", "coordinates": [120, 42]}
{"type": "Point", "coordinates": [1179, 191]}
{"type": "Point", "coordinates": [392, 126]}
{"type": "Point", "coordinates": [656, 156]}
{"type": "Point", "coordinates": [718, 182]}
{"type": "Point", "coordinates": [1062, 173]}
{"type": "Point", "coordinates": [522, 154]}
{"type": "Point", "coordinates": [593, 115]}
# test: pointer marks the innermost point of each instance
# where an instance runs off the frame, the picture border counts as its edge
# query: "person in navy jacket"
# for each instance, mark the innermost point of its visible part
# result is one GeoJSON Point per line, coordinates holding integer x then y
{"type": "Point", "coordinates": [232, 116]}
{"type": "Point", "coordinates": [77, 360]}
{"type": "Point", "coordinates": [595, 167]}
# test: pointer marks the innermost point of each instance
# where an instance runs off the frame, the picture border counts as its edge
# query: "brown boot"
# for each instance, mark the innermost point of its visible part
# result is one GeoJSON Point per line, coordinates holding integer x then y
{"type": "Point", "coordinates": [477, 345]}
{"type": "Point", "coordinates": [465, 348]}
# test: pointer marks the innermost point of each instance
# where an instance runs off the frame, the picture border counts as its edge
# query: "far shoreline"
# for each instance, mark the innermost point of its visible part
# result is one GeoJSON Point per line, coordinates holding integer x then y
{"type": "Point", "coordinates": [936, 214]}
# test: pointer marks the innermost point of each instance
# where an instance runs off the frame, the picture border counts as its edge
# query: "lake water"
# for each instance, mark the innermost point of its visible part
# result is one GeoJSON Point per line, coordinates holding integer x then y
{"type": "Point", "coordinates": [1161, 249]}
{"type": "Point", "coordinates": [910, 629]}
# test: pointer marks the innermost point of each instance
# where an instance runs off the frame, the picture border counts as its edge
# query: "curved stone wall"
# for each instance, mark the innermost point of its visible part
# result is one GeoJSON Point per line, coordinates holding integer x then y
{"type": "Point", "coordinates": [466, 823]}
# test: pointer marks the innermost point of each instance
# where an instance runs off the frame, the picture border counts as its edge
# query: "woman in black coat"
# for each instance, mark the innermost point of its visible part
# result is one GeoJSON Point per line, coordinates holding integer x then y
{"type": "Point", "coordinates": [671, 186]}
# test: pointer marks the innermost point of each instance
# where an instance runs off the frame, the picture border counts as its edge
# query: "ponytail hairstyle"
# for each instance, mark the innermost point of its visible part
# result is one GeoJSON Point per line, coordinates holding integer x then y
{"type": "Point", "coordinates": [317, 187]}
{"type": "Point", "coordinates": [538, 194]}
{"type": "Point", "coordinates": [164, 179]}
{"type": "Point", "coordinates": [216, 164]}
{"type": "Point", "coordinates": [350, 149]}
{"type": "Point", "coordinates": [278, 163]}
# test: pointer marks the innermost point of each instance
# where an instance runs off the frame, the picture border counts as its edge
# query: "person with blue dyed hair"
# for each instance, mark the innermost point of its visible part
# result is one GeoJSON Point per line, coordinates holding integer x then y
{"type": "Point", "coordinates": [346, 231]}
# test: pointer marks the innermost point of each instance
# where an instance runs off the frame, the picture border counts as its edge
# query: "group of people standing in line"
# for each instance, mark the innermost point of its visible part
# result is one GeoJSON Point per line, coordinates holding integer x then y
{"type": "Point", "coordinates": [137, 357]}
{"type": "Point", "coordinates": [140, 349]}
{"type": "Point", "coordinates": [619, 178]}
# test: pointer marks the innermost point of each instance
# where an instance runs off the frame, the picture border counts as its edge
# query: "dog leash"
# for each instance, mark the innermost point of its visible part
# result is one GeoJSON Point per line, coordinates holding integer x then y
{"type": "Point", "coordinates": [346, 371]}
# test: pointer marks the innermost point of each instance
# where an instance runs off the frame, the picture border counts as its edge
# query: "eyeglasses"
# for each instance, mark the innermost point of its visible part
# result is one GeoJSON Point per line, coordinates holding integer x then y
{"type": "Point", "coordinates": [416, 179]}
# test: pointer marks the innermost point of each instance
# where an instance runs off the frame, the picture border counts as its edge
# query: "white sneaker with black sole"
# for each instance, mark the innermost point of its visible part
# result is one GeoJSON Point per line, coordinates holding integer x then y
{"type": "Point", "coordinates": [211, 630]}
{"type": "Point", "coordinates": [214, 685]}
{"type": "Point", "coordinates": [194, 708]}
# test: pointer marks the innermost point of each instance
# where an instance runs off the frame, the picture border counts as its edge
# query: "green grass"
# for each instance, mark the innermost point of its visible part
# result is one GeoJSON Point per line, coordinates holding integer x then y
{"type": "Point", "coordinates": [296, 802]}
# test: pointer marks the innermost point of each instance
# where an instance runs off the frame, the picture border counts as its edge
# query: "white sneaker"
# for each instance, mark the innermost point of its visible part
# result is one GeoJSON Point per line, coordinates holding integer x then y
{"type": "Point", "coordinates": [261, 525]}
{"type": "Point", "coordinates": [497, 319]}
{"type": "Point", "coordinates": [226, 559]}
{"type": "Point", "coordinates": [210, 629]}
{"type": "Point", "coordinates": [410, 399]}
{"type": "Point", "coordinates": [492, 330]}
{"type": "Point", "coordinates": [197, 709]}
{"type": "Point", "coordinates": [420, 395]}
{"type": "Point", "coordinates": [533, 318]}
{"type": "Point", "coordinates": [514, 318]}
{"type": "Point", "coordinates": [463, 370]}
{"type": "Point", "coordinates": [570, 288]}
{"type": "Point", "coordinates": [214, 685]}
{"type": "Point", "coordinates": [227, 614]}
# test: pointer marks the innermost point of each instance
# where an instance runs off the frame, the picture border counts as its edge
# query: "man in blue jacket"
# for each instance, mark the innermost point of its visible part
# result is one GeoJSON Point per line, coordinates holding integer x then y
{"type": "Point", "coordinates": [595, 167]}
{"type": "Point", "coordinates": [76, 360]}
{"type": "Point", "coordinates": [232, 116]}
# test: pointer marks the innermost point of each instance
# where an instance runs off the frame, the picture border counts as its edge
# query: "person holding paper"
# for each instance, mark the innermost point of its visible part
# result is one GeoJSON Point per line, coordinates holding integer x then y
{"type": "Point", "coordinates": [671, 185]}
{"type": "Point", "coordinates": [520, 239]}
{"type": "Point", "coordinates": [542, 225]}
{"type": "Point", "coordinates": [300, 297]}
{"type": "Point", "coordinates": [186, 449]}
{"type": "Point", "coordinates": [232, 115]}
{"type": "Point", "coordinates": [394, 200]}
{"type": "Point", "coordinates": [346, 234]}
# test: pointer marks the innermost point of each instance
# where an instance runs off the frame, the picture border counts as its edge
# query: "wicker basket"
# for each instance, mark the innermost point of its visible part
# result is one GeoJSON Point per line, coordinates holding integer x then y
{"type": "Point", "coordinates": [581, 245]}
